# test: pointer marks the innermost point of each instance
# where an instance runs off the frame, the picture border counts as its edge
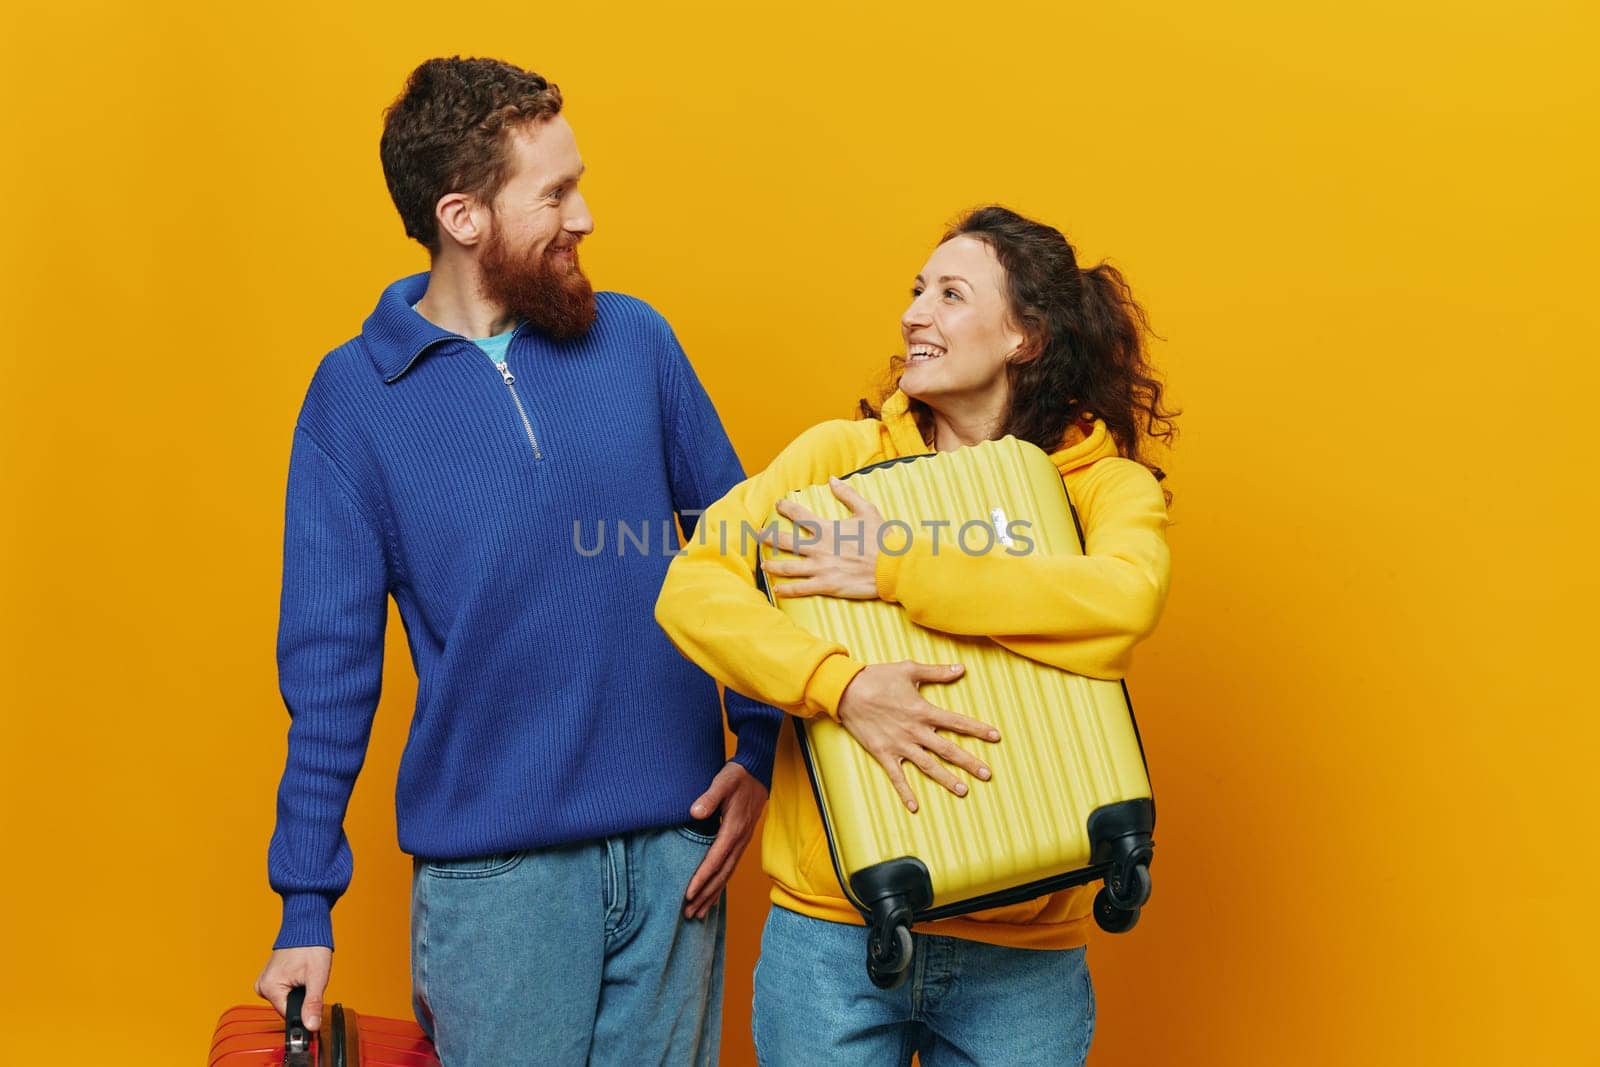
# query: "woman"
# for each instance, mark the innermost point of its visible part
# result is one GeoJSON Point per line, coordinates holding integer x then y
{"type": "Point", "coordinates": [1004, 335]}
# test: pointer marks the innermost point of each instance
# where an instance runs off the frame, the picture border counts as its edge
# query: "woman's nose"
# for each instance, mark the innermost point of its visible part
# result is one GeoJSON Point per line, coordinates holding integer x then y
{"type": "Point", "coordinates": [916, 314]}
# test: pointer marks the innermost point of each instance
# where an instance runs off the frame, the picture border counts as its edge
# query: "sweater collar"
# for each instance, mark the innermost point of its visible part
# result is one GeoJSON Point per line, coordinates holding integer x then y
{"type": "Point", "coordinates": [395, 335]}
{"type": "Point", "coordinates": [1077, 449]}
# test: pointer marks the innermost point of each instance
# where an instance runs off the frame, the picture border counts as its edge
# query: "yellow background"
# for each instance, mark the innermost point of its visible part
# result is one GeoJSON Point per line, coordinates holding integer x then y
{"type": "Point", "coordinates": [1365, 231]}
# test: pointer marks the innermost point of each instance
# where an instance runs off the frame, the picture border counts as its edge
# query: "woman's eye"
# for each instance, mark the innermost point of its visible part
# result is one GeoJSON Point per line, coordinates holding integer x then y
{"type": "Point", "coordinates": [916, 291]}
{"type": "Point", "coordinates": [952, 294]}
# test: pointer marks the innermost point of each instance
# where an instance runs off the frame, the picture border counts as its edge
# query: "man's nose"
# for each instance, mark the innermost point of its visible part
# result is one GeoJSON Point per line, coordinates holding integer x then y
{"type": "Point", "coordinates": [578, 221]}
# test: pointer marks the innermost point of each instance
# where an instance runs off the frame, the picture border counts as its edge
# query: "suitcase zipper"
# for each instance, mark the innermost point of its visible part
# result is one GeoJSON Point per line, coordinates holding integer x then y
{"type": "Point", "coordinates": [511, 384]}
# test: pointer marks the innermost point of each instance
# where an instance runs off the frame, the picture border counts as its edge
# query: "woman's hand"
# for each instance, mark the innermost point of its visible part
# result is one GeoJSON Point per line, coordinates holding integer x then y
{"type": "Point", "coordinates": [886, 714]}
{"type": "Point", "coordinates": [836, 558]}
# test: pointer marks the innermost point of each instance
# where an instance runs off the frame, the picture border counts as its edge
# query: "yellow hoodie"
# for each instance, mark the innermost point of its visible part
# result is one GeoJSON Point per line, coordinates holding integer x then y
{"type": "Point", "coordinates": [1082, 613]}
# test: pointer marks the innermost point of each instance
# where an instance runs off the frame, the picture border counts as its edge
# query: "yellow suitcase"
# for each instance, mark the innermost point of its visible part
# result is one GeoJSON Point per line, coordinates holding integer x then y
{"type": "Point", "coordinates": [1069, 802]}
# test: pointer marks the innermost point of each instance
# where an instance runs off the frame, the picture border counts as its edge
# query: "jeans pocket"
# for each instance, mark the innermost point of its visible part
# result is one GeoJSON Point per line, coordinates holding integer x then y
{"type": "Point", "coordinates": [701, 831]}
{"type": "Point", "coordinates": [476, 867]}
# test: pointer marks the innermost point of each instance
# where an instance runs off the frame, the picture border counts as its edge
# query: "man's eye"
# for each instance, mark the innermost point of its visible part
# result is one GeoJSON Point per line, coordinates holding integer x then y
{"type": "Point", "coordinates": [556, 195]}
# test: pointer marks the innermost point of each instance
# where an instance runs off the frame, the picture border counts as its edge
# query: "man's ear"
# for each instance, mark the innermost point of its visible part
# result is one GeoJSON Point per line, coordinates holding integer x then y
{"type": "Point", "coordinates": [462, 218]}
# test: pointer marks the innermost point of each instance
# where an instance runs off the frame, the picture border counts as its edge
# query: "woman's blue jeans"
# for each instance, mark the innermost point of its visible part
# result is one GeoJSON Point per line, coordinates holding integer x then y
{"type": "Point", "coordinates": [963, 1002]}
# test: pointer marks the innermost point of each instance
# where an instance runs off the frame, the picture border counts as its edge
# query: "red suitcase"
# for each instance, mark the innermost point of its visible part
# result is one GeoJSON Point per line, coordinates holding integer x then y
{"type": "Point", "coordinates": [257, 1037]}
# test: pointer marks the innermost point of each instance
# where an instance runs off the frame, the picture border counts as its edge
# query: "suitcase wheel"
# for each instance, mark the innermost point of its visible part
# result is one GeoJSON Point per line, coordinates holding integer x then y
{"type": "Point", "coordinates": [888, 955]}
{"type": "Point", "coordinates": [1129, 889]}
{"type": "Point", "coordinates": [893, 892]}
{"type": "Point", "coordinates": [1112, 919]}
{"type": "Point", "coordinates": [1117, 905]}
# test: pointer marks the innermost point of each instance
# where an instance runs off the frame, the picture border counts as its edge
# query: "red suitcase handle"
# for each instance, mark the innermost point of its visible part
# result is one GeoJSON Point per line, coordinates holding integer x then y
{"type": "Point", "coordinates": [296, 1039]}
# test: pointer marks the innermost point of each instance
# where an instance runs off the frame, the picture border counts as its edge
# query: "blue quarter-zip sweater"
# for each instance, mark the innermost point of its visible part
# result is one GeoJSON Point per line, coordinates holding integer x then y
{"type": "Point", "coordinates": [550, 706]}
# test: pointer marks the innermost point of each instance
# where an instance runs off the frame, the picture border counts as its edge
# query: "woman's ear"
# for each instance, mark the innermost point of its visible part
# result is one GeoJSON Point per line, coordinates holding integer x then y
{"type": "Point", "coordinates": [1025, 346]}
{"type": "Point", "coordinates": [1025, 353]}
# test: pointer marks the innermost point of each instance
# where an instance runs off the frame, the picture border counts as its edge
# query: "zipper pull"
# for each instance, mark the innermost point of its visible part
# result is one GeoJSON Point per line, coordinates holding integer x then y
{"type": "Point", "coordinates": [505, 372]}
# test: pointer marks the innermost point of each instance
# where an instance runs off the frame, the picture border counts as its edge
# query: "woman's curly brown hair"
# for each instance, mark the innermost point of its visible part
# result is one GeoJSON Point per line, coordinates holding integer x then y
{"type": "Point", "coordinates": [445, 133]}
{"type": "Point", "coordinates": [1086, 334]}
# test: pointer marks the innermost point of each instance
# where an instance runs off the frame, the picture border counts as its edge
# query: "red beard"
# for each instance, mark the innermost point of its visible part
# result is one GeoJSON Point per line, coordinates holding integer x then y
{"type": "Point", "coordinates": [554, 296]}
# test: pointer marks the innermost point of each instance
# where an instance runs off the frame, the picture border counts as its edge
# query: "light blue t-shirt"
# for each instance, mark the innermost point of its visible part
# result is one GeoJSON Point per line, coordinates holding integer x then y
{"type": "Point", "coordinates": [493, 347]}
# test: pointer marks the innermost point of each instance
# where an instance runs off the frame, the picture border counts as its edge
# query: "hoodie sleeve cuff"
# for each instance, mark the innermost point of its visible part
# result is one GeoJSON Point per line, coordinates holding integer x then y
{"type": "Point", "coordinates": [885, 574]}
{"type": "Point", "coordinates": [828, 684]}
{"type": "Point", "coordinates": [894, 544]}
{"type": "Point", "coordinates": [307, 920]}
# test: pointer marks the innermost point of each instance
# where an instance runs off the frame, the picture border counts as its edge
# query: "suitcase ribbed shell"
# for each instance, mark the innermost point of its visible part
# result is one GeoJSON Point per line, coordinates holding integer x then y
{"type": "Point", "coordinates": [1068, 743]}
{"type": "Point", "coordinates": [252, 1036]}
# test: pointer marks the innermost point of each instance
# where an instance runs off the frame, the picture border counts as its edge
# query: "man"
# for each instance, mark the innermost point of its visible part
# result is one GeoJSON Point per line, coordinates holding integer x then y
{"type": "Point", "coordinates": [563, 788]}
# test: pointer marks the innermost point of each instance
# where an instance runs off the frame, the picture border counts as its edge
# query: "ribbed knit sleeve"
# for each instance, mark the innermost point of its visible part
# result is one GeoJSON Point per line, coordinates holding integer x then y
{"type": "Point", "coordinates": [330, 666]}
{"type": "Point", "coordinates": [702, 466]}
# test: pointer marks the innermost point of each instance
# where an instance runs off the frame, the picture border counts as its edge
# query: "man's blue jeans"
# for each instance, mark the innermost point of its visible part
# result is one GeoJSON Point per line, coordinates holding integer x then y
{"type": "Point", "coordinates": [570, 955]}
{"type": "Point", "coordinates": [964, 1003]}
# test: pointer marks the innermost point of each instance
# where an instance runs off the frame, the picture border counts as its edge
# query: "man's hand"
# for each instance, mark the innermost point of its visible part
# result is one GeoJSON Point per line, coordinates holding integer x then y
{"type": "Point", "coordinates": [290, 967]}
{"type": "Point", "coordinates": [739, 797]}
{"type": "Point", "coordinates": [885, 712]}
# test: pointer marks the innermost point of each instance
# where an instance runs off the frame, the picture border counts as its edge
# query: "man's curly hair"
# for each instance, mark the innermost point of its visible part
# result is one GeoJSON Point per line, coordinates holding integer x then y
{"type": "Point", "coordinates": [447, 133]}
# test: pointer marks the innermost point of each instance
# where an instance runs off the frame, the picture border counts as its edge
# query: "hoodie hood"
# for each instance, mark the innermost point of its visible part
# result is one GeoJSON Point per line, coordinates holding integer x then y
{"type": "Point", "coordinates": [1078, 448]}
